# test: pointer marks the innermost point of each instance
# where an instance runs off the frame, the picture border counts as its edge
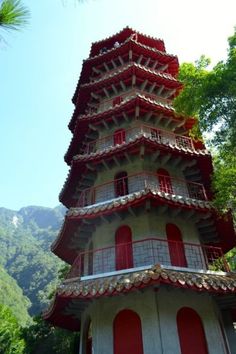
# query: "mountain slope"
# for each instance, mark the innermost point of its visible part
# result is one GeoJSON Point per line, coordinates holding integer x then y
{"type": "Point", "coordinates": [11, 295]}
{"type": "Point", "coordinates": [25, 239]}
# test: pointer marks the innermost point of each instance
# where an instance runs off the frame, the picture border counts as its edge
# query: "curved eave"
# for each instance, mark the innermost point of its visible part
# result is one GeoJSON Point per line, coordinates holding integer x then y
{"type": "Point", "coordinates": [122, 36]}
{"type": "Point", "coordinates": [78, 165]}
{"type": "Point", "coordinates": [225, 227]}
{"type": "Point", "coordinates": [57, 314]}
{"type": "Point", "coordinates": [124, 73]}
{"type": "Point", "coordinates": [164, 58]}
{"type": "Point", "coordinates": [218, 283]}
{"type": "Point", "coordinates": [60, 245]}
{"type": "Point", "coordinates": [206, 167]}
{"type": "Point", "coordinates": [84, 92]}
{"type": "Point", "coordinates": [81, 123]}
{"type": "Point", "coordinates": [82, 127]}
{"type": "Point", "coordinates": [76, 215]}
{"type": "Point", "coordinates": [150, 142]}
{"type": "Point", "coordinates": [167, 109]}
{"type": "Point", "coordinates": [68, 189]}
{"type": "Point", "coordinates": [84, 291]}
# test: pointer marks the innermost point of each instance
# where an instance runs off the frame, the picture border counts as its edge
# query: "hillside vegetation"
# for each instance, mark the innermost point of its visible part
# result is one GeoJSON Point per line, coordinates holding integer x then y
{"type": "Point", "coordinates": [25, 239]}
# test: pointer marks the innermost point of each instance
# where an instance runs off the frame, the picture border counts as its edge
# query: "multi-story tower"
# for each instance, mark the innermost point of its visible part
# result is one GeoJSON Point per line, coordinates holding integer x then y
{"type": "Point", "coordinates": [145, 244]}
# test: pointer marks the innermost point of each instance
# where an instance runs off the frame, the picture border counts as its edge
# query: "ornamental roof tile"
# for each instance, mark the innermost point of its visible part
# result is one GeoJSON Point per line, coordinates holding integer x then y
{"type": "Point", "coordinates": [137, 139]}
{"type": "Point", "coordinates": [217, 282]}
{"type": "Point", "coordinates": [127, 67]}
{"type": "Point", "coordinates": [130, 198]}
{"type": "Point", "coordinates": [113, 49]}
{"type": "Point", "coordinates": [173, 60]}
{"type": "Point", "coordinates": [142, 100]}
{"type": "Point", "coordinates": [80, 292]}
{"type": "Point", "coordinates": [156, 102]}
{"type": "Point", "coordinates": [130, 32]}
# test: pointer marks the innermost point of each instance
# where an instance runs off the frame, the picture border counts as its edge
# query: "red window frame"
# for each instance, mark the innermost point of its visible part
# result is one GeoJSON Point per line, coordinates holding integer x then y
{"type": "Point", "coordinates": [119, 137]}
{"type": "Point", "coordinates": [164, 179]}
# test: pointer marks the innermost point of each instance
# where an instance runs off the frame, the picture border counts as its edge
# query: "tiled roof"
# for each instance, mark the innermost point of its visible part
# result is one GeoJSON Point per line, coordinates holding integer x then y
{"type": "Point", "coordinates": [155, 104]}
{"type": "Point", "coordinates": [137, 139]}
{"type": "Point", "coordinates": [128, 29]}
{"type": "Point", "coordinates": [113, 285]}
{"type": "Point", "coordinates": [80, 293]}
{"type": "Point", "coordinates": [172, 58]}
{"type": "Point", "coordinates": [120, 202]}
{"type": "Point", "coordinates": [127, 67]}
{"type": "Point", "coordinates": [161, 104]}
{"type": "Point", "coordinates": [113, 49]}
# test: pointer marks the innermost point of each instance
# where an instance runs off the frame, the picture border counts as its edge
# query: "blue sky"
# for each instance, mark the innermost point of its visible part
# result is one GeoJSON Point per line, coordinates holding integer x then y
{"type": "Point", "coordinates": [40, 67]}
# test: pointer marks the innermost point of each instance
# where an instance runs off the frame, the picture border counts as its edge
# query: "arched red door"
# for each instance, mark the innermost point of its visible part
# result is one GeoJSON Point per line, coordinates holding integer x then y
{"type": "Point", "coordinates": [176, 246]}
{"type": "Point", "coordinates": [127, 332]}
{"type": "Point", "coordinates": [124, 251]}
{"type": "Point", "coordinates": [164, 181]}
{"type": "Point", "coordinates": [191, 332]}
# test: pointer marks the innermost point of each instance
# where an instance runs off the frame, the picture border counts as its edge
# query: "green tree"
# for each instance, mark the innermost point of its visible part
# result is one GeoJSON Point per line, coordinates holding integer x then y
{"type": "Point", "coordinates": [210, 95]}
{"type": "Point", "coordinates": [42, 338]}
{"type": "Point", "coordinates": [11, 341]}
{"type": "Point", "coordinates": [13, 15]}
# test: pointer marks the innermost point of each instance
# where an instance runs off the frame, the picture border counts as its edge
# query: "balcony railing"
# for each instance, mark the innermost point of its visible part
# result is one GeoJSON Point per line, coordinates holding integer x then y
{"type": "Point", "coordinates": [112, 102]}
{"type": "Point", "coordinates": [125, 136]}
{"type": "Point", "coordinates": [138, 182]}
{"type": "Point", "coordinates": [148, 252]}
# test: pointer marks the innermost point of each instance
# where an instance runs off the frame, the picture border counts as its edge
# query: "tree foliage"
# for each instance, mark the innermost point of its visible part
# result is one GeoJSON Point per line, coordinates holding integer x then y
{"type": "Point", "coordinates": [25, 239]}
{"type": "Point", "coordinates": [11, 295]}
{"type": "Point", "coordinates": [211, 96]}
{"type": "Point", "coordinates": [42, 338]}
{"type": "Point", "coordinates": [13, 15]}
{"type": "Point", "coordinates": [11, 341]}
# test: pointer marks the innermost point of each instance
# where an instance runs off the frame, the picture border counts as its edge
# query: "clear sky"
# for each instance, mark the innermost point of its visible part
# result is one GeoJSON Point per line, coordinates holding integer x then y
{"type": "Point", "coordinates": [40, 67]}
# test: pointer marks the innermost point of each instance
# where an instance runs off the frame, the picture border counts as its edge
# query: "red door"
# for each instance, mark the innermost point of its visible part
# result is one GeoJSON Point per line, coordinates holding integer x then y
{"type": "Point", "coordinates": [176, 246]}
{"type": "Point", "coordinates": [191, 332]}
{"type": "Point", "coordinates": [127, 332]}
{"type": "Point", "coordinates": [164, 181]}
{"type": "Point", "coordinates": [119, 137]}
{"type": "Point", "coordinates": [124, 251]}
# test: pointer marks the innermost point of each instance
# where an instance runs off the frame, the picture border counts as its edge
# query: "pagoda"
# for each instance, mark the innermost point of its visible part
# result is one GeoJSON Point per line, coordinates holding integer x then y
{"type": "Point", "coordinates": [146, 247]}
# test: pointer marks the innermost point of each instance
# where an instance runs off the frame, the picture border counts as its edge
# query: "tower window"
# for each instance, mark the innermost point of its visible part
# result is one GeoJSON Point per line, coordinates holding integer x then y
{"type": "Point", "coordinates": [117, 100]}
{"type": "Point", "coordinates": [121, 184]}
{"type": "Point", "coordinates": [164, 181]}
{"type": "Point", "coordinates": [119, 137]}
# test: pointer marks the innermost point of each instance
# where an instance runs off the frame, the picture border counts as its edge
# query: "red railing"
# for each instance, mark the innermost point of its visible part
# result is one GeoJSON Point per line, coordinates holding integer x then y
{"type": "Point", "coordinates": [158, 135]}
{"type": "Point", "coordinates": [111, 102]}
{"type": "Point", "coordinates": [137, 182]}
{"type": "Point", "coordinates": [148, 252]}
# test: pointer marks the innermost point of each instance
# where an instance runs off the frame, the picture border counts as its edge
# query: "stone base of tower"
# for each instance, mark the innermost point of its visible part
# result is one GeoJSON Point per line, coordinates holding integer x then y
{"type": "Point", "coordinates": [158, 310]}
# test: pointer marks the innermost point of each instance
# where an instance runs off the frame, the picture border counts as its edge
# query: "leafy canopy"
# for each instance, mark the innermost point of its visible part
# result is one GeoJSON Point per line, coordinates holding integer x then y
{"type": "Point", "coordinates": [210, 95]}
{"type": "Point", "coordinates": [13, 15]}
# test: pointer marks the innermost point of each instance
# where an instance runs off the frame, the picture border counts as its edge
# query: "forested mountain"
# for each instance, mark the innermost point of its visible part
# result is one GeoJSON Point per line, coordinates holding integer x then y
{"type": "Point", "coordinates": [11, 295]}
{"type": "Point", "coordinates": [25, 239]}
